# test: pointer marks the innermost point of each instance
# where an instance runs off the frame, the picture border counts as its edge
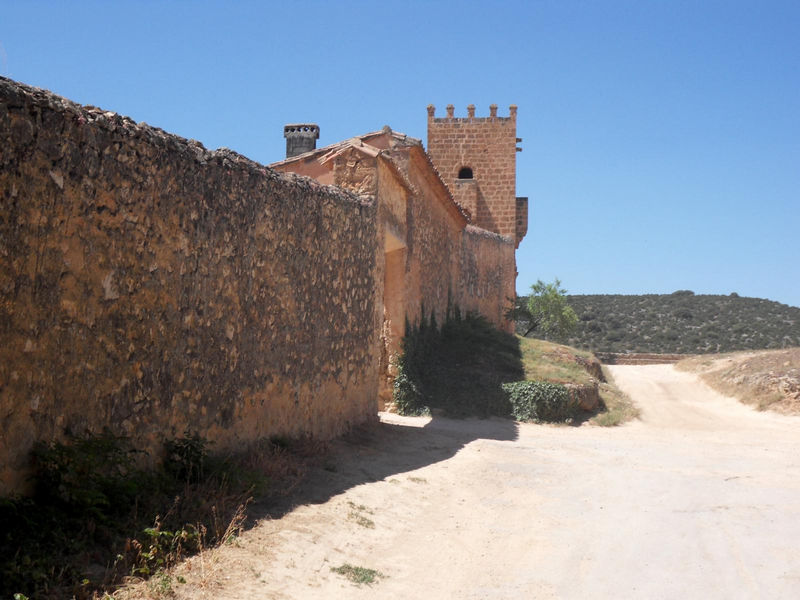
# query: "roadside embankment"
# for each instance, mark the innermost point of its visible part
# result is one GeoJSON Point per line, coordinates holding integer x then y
{"type": "Point", "coordinates": [766, 379]}
{"type": "Point", "coordinates": [583, 375]}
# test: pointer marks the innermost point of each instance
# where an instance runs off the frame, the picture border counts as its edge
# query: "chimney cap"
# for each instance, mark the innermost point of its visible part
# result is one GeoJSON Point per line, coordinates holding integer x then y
{"type": "Point", "coordinates": [300, 138]}
{"type": "Point", "coordinates": [304, 129]}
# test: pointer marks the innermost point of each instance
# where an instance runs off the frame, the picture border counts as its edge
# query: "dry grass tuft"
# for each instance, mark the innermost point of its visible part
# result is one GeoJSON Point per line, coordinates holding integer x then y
{"type": "Point", "coordinates": [358, 575]}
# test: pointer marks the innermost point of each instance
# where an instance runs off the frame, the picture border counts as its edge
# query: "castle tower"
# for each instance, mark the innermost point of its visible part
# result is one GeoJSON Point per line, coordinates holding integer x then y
{"type": "Point", "coordinates": [300, 138]}
{"type": "Point", "coordinates": [477, 158]}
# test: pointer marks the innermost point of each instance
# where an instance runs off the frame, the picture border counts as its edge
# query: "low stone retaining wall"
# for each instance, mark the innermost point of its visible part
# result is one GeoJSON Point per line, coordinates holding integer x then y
{"type": "Point", "coordinates": [587, 396]}
{"type": "Point", "coordinates": [593, 367]}
{"type": "Point", "coordinates": [612, 358]}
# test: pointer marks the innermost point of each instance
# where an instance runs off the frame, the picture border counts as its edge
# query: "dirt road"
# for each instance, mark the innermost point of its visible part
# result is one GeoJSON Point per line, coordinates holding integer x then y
{"type": "Point", "coordinates": [699, 499]}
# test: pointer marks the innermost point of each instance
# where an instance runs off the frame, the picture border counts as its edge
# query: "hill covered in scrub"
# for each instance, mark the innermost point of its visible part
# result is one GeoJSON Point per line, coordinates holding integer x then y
{"type": "Point", "coordinates": [682, 322]}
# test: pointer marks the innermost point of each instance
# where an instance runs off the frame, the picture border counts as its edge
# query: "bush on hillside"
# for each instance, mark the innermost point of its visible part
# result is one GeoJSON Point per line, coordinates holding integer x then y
{"type": "Point", "coordinates": [546, 310]}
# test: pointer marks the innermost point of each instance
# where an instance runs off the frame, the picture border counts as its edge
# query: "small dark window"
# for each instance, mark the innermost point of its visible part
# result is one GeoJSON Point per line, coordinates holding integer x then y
{"type": "Point", "coordinates": [465, 173]}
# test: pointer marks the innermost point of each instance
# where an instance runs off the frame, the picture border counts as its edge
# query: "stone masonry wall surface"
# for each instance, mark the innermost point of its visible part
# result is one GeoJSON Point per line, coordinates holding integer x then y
{"type": "Point", "coordinates": [488, 275]}
{"type": "Point", "coordinates": [151, 286]}
{"type": "Point", "coordinates": [450, 265]}
{"type": "Point", "coordinates": [434, 239]}
{"type": "Point", "coordinates": [444, 264]}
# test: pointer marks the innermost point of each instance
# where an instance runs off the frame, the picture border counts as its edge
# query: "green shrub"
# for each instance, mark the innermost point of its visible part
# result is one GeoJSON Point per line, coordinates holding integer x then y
{"type": "Point", "coordinates": [540, 402]}
{"type": "Point", "coordinates": [458, 368]}
{"type": "Point", "coordinates": [88, 476]}
{"type": "Point", "coordinates": [407, 396]}
{"type": "Point", "coordinates": [186, 457]}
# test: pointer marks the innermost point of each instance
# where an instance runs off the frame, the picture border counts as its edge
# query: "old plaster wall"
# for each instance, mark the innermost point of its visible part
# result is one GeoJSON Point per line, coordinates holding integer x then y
{"type": "Point", "coordinates": [488, 275]}
{"type": "Point", "coordinates": [151, 286]}
{"type": "Point", "coordinates": [453, 264]}
{"type": "Point", "coordinates": [434, 241]}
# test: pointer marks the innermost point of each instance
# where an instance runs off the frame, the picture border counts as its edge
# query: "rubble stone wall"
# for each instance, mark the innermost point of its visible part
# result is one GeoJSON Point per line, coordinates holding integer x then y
{"type": "Point", "coordinates": [150, 286]}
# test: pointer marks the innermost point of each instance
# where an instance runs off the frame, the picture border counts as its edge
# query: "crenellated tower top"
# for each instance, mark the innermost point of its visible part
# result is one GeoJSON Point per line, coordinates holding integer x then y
{"type": "Point", "coordinates": [476, 157]}
{"type": "Point", "coordinates": [512, 114]}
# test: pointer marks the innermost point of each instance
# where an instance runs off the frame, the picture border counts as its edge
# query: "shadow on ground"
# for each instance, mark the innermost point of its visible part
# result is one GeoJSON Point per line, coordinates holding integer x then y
{"type": "Point", "coordinates": [381, 450]}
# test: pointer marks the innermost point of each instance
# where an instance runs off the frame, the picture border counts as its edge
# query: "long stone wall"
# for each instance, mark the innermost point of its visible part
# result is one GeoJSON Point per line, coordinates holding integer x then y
{"type": "Point", "coordinates": [151, 286]}
{"type": "Point", "coordinates": [613, 358]}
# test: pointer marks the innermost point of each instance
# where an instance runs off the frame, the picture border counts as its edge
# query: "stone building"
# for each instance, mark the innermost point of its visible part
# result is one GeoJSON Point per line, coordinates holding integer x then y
{"type": "Point", "coordinates": [449, 219]}
{"type": "Point", "coordinates": [150, 286]}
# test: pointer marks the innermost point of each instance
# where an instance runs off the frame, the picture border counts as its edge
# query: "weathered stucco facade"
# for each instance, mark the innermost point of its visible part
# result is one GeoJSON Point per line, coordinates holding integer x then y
{"type": "Point", "coordinates": [150, 286]}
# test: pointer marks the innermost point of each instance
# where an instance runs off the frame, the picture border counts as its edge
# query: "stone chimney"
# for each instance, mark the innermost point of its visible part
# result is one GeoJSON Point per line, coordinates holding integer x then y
{"type": "Point", "coordinates": [300, 138]}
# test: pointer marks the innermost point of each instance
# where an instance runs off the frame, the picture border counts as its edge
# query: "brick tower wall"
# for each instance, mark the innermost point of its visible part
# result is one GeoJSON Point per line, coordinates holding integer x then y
{"type": "Point", "coordinates": [487, 145]}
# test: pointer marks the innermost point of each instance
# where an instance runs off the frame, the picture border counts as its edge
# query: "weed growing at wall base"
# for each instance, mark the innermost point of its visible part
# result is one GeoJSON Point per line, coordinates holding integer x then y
{"type": "Point", "coordinates": [96, 518]}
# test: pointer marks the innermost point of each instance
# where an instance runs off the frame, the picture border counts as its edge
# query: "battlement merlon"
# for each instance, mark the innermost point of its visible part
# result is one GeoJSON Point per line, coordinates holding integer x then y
{"type": "Point", "coordinates": [470, 118]}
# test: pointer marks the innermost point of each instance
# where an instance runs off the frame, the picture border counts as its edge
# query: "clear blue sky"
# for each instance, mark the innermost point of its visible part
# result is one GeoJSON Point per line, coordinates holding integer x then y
{"type": "Point", "coordinates": [661, 139]}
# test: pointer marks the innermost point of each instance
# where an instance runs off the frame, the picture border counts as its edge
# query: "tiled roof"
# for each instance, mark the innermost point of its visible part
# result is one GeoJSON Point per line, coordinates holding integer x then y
{"type": "Point", "coordinates": [361, 144]}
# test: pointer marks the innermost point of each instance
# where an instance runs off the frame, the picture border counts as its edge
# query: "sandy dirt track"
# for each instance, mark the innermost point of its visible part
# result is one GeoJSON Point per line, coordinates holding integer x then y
{"type": "Point", "coordinates": [698, 499]}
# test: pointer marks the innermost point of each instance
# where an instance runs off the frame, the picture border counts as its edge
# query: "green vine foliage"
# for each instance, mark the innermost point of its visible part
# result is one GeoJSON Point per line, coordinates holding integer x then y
{"type": "Point", "coordinates": [540, 402]}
